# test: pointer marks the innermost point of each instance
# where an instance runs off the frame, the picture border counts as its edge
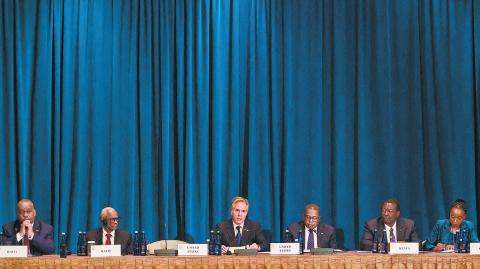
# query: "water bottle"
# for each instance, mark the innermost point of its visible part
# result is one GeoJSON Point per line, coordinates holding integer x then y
{"type": "Point", "coordinates": [287, 238]}
{"type": "Point", "coordinates": [136, 248]}
{"type": "Point", "coordinates": [300, 240]}
{"type": "Point", "coordinates": [386, 246]}
{"type": "Point", "coordinates": [2, 239]}
{"type": "Point", "coordinates": [456, 241]}
{"type": "Point", "coordinates": [63, 246]}
{"type": "Point", "coordinates": [466, 236]}
{"type": "Point", "coordinates": [218, 244]}
{"type": "Point", "coordinates": [81, 245]}
{"type": "Point", "coordinates": [375, 241]}
{"type": "Point", "coordinates": [211, 243]}
{"type": "Point", "coordinates": [143, 244]}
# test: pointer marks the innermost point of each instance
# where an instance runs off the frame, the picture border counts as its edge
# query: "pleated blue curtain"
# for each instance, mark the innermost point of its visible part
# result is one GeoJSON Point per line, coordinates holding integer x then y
{"type": "Point", "coordinates": [165, 110]}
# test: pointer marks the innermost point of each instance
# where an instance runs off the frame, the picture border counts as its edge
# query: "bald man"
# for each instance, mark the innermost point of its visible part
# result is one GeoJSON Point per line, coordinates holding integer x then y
{"type": "Point", "coordinates": [109, 234]}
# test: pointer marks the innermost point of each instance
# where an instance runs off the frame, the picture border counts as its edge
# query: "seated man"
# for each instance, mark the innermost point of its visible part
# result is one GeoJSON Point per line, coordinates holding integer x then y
{"type": "Point", "coordinates": [27, 230]}
{"type": "Point", "coordinates": [109, 234]}
{"type": "Point", "coordinates": [315, 234]}
{"type": "Point", "coordinates": [398, 229]}
{"type": "Point", "coordinates": [239, 231]}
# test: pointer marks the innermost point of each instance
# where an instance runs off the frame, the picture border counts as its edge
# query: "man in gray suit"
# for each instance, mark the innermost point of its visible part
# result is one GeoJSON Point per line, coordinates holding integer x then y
{"type": "Point", "coordinates": [315, 234]}
{"type": "Point", "coordinates": [109, 234]}
{"type": "Point", "coordinates": [396, 229]}
{"type": "Point", "coordinates": [239, 231]}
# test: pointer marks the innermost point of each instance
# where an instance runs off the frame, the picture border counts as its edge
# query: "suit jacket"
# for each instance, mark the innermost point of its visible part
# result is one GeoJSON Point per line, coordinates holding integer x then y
{"type": "Point", "coordinates": [121, 238]}
{"type": "Point", "coordinates": [42, 242]}
{"type": "Point", "coordinates": [405, 231]}
{"type": "Point", "coordinates": [326, 237]}
{"type": "Point", "coordinates": [251, 233]}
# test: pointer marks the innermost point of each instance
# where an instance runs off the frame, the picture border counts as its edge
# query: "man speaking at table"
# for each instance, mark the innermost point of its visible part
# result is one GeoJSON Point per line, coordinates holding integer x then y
{"type": "Point", "coordinates": [239, 231]}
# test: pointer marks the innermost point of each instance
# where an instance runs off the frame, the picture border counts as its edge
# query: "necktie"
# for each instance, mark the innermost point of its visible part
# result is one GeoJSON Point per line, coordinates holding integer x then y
{"type": "Point", "coordinates": [25, 241]}
{"type": "Point", "coordinates": [310, 243]}
{"type": "Point", "coordinates": [108, 242]}
{"type": "Point", "coordinates": [238, 237]}
{"type": "Point", "coordinates": [392, 236]}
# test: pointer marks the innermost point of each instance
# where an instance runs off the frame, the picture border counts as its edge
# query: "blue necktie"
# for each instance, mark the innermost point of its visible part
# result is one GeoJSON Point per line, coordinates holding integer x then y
{"type": "Point", "coordinates": [310, 243]}
{"type": "Point", "coordinates": [238, 237]}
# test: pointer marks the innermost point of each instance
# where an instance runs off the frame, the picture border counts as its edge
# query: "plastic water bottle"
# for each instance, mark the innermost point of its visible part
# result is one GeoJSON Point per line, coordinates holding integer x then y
{"type": "Point", "coordinates": [136, 247]}
{"type": "Point", "coordinates": [457, 241]}
{"type": "Point", "coordinates": [143, 244]}
{"type": "Point", "coordinates": [2, 239]}
{"type": "Point", "coordinates": [287, 238]}
{"type": "Point", "coordinates": [211, 243]}
{"type": "Point", "coordinates": [218, 244]}
{"type": "Point", "coordinates": [81, 244]}
{"type": "Point", "coordinates": [63, 245]}
{"type": "Point", "coordinates": [375, 241]}
{"type": "Point", "coordinates": [385, 242]}
{"type": "Point", "coordinates": [300, 240]}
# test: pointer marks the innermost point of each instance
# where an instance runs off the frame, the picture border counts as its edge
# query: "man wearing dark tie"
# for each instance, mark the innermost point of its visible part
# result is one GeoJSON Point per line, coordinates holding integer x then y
{"type": "Point", "coordinates": [239, 231]}
{"type": "Point", "coordinates": [397, 229]}
{"type": "Point", "coordinates": [29, 231]}
{"type": "Point", "coordinates": [315, 234]}
{"type": "Point", "coordinates": [109, 234]}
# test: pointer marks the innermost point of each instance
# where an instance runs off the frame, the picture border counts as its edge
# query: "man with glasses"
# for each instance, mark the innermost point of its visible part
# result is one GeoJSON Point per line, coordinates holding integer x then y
{"type": "Point", "coordinates": [109, 234]}
{"type": "Point", "coordinates": [397, 229]}
{"type": "Point", "coordinates": [315, 234]}
{"type": "Point", "coordinates": [29, 231]}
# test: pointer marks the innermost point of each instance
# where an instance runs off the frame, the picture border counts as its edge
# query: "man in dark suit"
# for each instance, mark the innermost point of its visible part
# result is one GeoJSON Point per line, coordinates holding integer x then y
{"type": "Point", "coordinates": [239, 231]}
{"type": "Point", "coordinates": [29, 231]}
{"type": "Point", "coordinates": [109, 234]}
{"type": "Point", "coordinates": [397, 229]}
{"type": "Point", "coordinates": [315, 234]}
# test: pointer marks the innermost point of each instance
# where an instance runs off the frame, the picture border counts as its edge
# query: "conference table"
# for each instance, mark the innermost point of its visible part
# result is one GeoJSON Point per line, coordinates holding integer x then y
{"type": "Point", "coordinates": [340, 260]}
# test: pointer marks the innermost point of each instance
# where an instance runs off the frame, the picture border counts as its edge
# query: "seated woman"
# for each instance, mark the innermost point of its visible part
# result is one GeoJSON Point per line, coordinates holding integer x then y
{"type": "Point", "coordinates": [442, 236]}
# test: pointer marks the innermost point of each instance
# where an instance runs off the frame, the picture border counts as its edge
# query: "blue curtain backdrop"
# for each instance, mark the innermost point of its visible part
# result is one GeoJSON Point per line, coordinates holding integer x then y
{"type": "Point", "coordinates": [165, 110]}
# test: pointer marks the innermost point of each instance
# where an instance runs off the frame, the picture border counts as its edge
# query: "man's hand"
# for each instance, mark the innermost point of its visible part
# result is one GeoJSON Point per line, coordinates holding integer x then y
{"type": "Point", "coordinates": [26, 225]}
{"type": "Point", "coordinates": [224, 249]}
{"type": "Point", "coordinates": [254, 246]}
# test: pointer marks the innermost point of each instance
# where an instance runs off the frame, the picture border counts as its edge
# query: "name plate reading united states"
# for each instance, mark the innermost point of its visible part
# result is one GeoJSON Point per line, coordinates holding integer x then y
{"type": "Point", "coordinates": [475, 248]}
{"type": "Point", "coordinates": [285, 248]}
{"type": "Point", "coordinates": [13, 251]}
{"type": "Point", "coordinates": [404, 248]}
{"type": "Point", "coordinates": [105, 251]}
{"type": "Point", "coordinates": [192, 249]}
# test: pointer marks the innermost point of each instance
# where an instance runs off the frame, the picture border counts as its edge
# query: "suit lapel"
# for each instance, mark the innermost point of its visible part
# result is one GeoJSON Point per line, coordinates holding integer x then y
{"type": "Point", "coordinates": [99, 238]}
{"type": "Point", "coordinates": [246, 233]}
{"type": "Point", "coordinates": [400, 231]}
{"type": "Point", "coordinates": [229, 232]}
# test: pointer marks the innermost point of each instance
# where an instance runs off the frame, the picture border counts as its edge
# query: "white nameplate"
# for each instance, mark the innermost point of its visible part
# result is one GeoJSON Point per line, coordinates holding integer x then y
{"type": "Point", "coordinates": [106, 251]}
{"type": "Point", "coordinates": [13, 251]}
{"type": "Point", "coordinates": [475, 248]}
{"type": "Point", "coordinates": [404, 248]}
{"type": "Point", "coordinates": [285, 248]}
{"type": "Point", "coordinates": [192, 249]}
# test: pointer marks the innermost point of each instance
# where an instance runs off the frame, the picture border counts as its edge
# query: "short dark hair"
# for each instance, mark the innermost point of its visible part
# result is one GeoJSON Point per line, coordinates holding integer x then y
{"type": "Point", "coordinates": [393, 201]}
{"type": "Point", "coordinates": [460, 204]}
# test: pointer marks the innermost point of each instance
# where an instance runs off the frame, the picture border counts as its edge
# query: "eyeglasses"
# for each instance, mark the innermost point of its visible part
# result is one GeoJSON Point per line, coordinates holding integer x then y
{"type": "Point", "coordinates": [314, 218]}
{"type": "Point", "coordinates": [114, 219]}
{"type": "Point", "coordinates": [389, 211]}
